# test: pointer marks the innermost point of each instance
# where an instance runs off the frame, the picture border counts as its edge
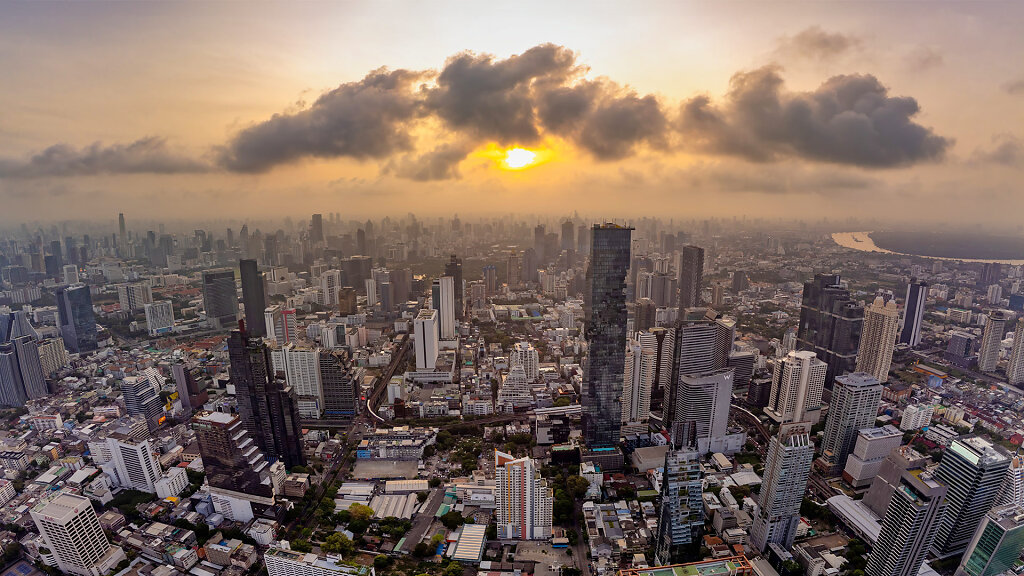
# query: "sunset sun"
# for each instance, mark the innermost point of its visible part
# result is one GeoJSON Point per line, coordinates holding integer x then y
{"type": "Point", "coordinates": [519, 158]}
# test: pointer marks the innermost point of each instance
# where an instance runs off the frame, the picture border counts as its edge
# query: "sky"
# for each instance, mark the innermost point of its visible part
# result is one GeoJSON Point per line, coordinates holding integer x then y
{"type": "Point", "coordinates": [899, 111]}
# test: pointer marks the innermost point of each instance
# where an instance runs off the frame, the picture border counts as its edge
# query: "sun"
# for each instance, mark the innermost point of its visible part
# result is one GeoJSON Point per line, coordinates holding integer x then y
{"type": "Point", "coordinates": [519, 158]}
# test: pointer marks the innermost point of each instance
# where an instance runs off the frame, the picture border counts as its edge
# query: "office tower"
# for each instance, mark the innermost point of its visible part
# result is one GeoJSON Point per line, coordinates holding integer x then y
{"type": "Point", "coordinates": [522, 498]}
{"type": "Point", "coordinates": [16, 325]}
{"type": "Point", "coordinates": [316, 228]}
{"type": "Point", "coordinates": [1012, 489]}
{"type": "Point", "coordinates": [330, 284]}
{"type": "Point", "coordinates": [991, 273]}
{"type": "Point", "coordinates": [453, 268]}
{"type": "Point", "coordinates": [645, 315]}
{"type": "Point", "coordinates": [525, 354]}
{"type": "Point", "coordinates": [695, 343]}
{"type": "Point", "coordinates": [301, 369]}
{"type": "Point", "coordinates": [142, 398]}
{"type": "Point", "coordinates": [878, 338]}
{"type": "Point", "coordinates": [991, 338]}
{"type": "Point", "coordinates": [341, 381]}
{"type": "Point", "coordinates": [190, 394]}
{"type": "Point", "coordinates": [739, 282]}
{"type": "Point", "coordinates": [662, 342]}
{"type": "Point", "coordinates": [72, 532]}
{"type": "Point", "coordinates": [237, 473]}
{"type": "Point", "coordinates": [514, 270]}
{"type": "Point", "coordinates": [960, 350]}
{"type": "Point", "coordinates": [77, 322]}
{"type": "Point", "coordinates": [913, 313]}
{"type": "Point", "coordinates": [854, 405]}
{"type": "Point", "coordinates": [636, 387]}
{"type": "Point", "coordinates": [909, 525]}
{"type": "Point", "coordinates": [900, 460]}
{"type": "Point", "coordinates": [797, 383]}
{"type": "Point", "coordinates": [70, 274]}
{"type": "Point", "coordinates": [490, 278]}
{"type": "Point", "coordinates": [663, 289]}
{"type": "Point", "coordinates": [347, 301]}
{"type": "Point", "coordinates": [691, 276]}
{"type": "Point", "coordinates": [742, 359]}
{"type": "Point", "coordinates": [703, 399]}
{"type": "Point", "coordinates": [371, 292]}
{"type": "Point", "coordinates": [426, 334]}
{"type": "Point", "coordinates": [718, 295]}
{"type": "Point", "coordinates": [33, 379]}
{"type": "Point", "coordinates": [122, 237]}
{"type": "Point", "coordinates": [442, 299]}
{"type": "Point", "coordinates": [972, 469]}
{"type": "Point", "coordinates": [281, 324]}
{"type": "Point", "coordinates": [681, 516]}
{"type": "Point", "coordinates": [266, 405]}
{"type": "Point", "coordinates": [997, 543]}
{"type": "Point", "coordinates": [787, 467]}
{"type": "Point", "coordinates": [870, 449]}
{"type": "Point", "coordinates": [220, 299]}
{"type": "Point", "coordinates": [1015, 366]}
{"type": "Point", "coordinates": [134, 296]}
{"type": "Point", "coordinates": [133, 462]}
{"type": "Point", "coordinates": [830, 324]}
{"type": "Point", "coordinates": [568, 235]}
{"type": "Point", "coordinates": [159, 317]}
{"type": "Point", "coordinates": [52, 355]}
{"type": "Point", "coordinates": [994, 295]}
{"type": "Point", "coordinates": [605, 333]}
{"type": "Point", "coordinates": [254, 297]}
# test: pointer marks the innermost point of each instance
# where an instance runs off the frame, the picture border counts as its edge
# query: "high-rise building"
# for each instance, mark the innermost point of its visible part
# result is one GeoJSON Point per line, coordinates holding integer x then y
{"type": "Point", "coordinates": [237, 473]}
{"type": "Point", "coordinates": [281, 324]}
{"type": "Point", "coordinates": [514, 391]}
{"type": "Point", "coordinates": [442, 299]}
{"type": "Point", "coordinates": [878, 338]}
{"type": "Point", "coordinates": [787, 467]}
{"type": "Point", "coordinates": [71, 530]}
{"type": "Point", "coordinates": [77, 321]}
{"type": "Point", "coordinates": [134, 296]}
{"type": "Point", "coordinates": [691, 276]}
{"type": "Point", "coordinates": [340, 380]}
{"type": "Point", "coordinates": [371, 292]}
{"type": "Point", "coordinates": [1012, 489]}
{"type": "Point", "coordinates": [646, 313]}
{"type": "Point", "coordinates": [636, 387]}
{"type": "Point", "coordinates": [287, 562]}
{"type": "Point", "coordinates": [568, 235]}
{"type": "Point", "coordinates": [133, 462]}
{"type": "Point", "coordinates": [830, 324]}
{"type": "Point", "coordinates": [453, 268]}
{"type": "Point", "coordinates": [490, 278]}
{"type": "Point", "coordinates": [960, 350]}
{"type": "Point", "coordinates": [900, 460]}
{"type": "Point", "coordinates": [662, 342]}
{"type": "Point", "coordinates": [347, 300]}
{"type": "Point", "coordinates": [300, 366]}
{"type": "Point", "coordinates": [330, 284]}
{"type": "Point", "coordinates": [913, 313]}
{"type": "Point", "coordinates": [1015, 365]}
{"type": "Point", "coordinates": [52, 355]}
{"type": "Point", "coordinates": [187, 385]}
{"type": "Point", "coordinates": [427, 338]}
{"type": "Point", "coordinates": [523, 499]}
{"type": "Point", "coordinates": [266, 404]}
{"type": "Point", "coordinates": [681, 516]}
{"type": "Point", "coordinates": [695, 352]}
{"type": "Point", "coordinates": [995, 295]}
{"type": "Point", "coordinates": [605, 333]}
{"type": "Point", "coordinates": [316, 228]}
{"type": "Point", "coordinates": [997, 543]}
{"type": "Point", "coordinates": [703, 398]}
{"type": "Point", "coordinates": [853, 405]}
{"type": "Point", "coordinates": [220, 298]}
{"type": "Point", "coordinates": [159, 317]}
{"type": "Point", "coordinates": [142, 398]}
{"type": "Point", "coordinates": [870, 449]}
{"type": "Point", "coordinates": [909, 525]}
{"type": "Point", "coordinates": [514, 269]}
{"type": "Point", "coordinates": [21, 372]}
{"type": "Point", "coordinates": [972, 469]}
{"type": "Point", "coordinates": [525, 354]}
{"type": "Point", "coordinates": [70, 274]}
{"type": "Point", "coordinates": [254, 298]}
{"type": "Point", "coordinates": [797, 384]}
{"type": "Point", "coordinates": [995, 328]}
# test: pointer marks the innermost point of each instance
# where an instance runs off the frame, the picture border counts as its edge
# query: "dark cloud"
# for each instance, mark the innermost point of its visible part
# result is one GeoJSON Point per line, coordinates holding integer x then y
{"type": "Point", "coordinates": [1015, 87]}
{"type": "Point", "coordinates": [847, 120]}
{"type": "Point", "coordinates": [441, 163]}
{"type": "Point", "coordinates": [148, 155]}
{"type": "Point", "coordinates": [816, 43]}
{"type": "Point", "coordinates": [1006, 149]}
{"type": "Point", "coordinates": [494, 99]}
{"type": "Point", "coordinates": [361, 120]}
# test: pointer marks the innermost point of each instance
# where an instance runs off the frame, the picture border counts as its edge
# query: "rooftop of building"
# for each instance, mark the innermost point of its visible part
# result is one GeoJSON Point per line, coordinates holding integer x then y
{"type": "Point", "coordinates": [737, 565]}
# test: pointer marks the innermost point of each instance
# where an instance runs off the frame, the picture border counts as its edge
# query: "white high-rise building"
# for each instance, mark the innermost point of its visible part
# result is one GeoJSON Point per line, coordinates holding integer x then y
{"type": "Point", "coordinates": [281, 324]}
{"type": "Point", "coordinates": [869, 451]}
{"type": "Point", "coordinates": [797, 384]}
{"type": "Point", "coordinates": [787, 467]}
{"type": "Point", "coordinates": [995, 294]}
{"type": "Point", "coordinates": [991, 339]}
{"type": "Point", "coordinates": [135, 296]}
{"type": "Point", "coordinates": [878, 338]}
{"type": "Point", "coordinates": [330, 283]}
{"type": "Point", "coordinates": [522, 498]}
{"type": "Point", "coordinates": [442, 299]}
{"type": "Point", "coordinates": [1012, 489]}
{"type": "Point", "coordinates": [916, 416]}
{"type": "Point", "coordinates": [70, 274]}
{"type": "Point", "coordinates": [909, 525]}
{"type": "Point", "coordinates": [1015, 366]}
{"type": "Point", "coordinates": [286, 562]}
{"type": "Point", "coordinates": [301, 367]}
{"type": "Point", "coordinates": [71, 530]}
{"type": "Point", "coordinates": [515, 389]}
{"type": "Point", "coordinates": [159, 317]}
{"type": "Point", "coordinates": [426, 334]}
{"type": "Point", "coordinates": [703, 398]}
{"type": "Point", "coordinates": [854, 405]}
{"type": "Point", "coordinates": [636, 387]}
{"type": "Point", "coordinates": [371, 292]}
{"type": "Point", "coordinates": [134, 463]}
{"type": "Point", "coordinates": [525, 354]}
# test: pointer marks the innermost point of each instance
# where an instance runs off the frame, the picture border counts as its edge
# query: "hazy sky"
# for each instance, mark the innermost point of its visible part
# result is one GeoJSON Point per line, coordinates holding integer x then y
{"type": "Point", "coordinates": [904, 110]}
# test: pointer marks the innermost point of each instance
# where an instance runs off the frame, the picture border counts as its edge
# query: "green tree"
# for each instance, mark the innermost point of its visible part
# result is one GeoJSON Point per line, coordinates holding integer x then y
{"type": "Point", "coordinates": [577, 486]}
{"type": "Point", "coordinates": [421, 550]}
{"type": "Point", "coordinates": [434, 482]}
{"type": "Point", "coordinates": [338, 543]}
{"type": "Point", "coordinates": [301, 545]}
{"type": "Point", "coordinates": [492, 531]}
{"type": "Point", "coordinates": [453, 569]}
{"type": "Point", "coordinates": [380, 562]}
{"type": "Point", "coordinates": [452, 520]}
{"type": "Point", "coordinates": [360, 512]}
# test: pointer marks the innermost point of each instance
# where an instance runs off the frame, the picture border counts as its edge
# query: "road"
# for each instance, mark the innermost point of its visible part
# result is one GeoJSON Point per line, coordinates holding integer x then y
{"type": "Point", "coordinates": [397, 360]}
{"type": "Point", "coordinates": [421, 522]}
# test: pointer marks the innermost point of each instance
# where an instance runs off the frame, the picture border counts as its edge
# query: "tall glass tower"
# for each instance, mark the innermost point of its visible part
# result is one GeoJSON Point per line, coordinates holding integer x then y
{"type": "Point", "coordinates": [605, 331]}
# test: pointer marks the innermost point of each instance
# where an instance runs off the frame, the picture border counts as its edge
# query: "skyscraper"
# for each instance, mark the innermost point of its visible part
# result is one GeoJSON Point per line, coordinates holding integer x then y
{"type": "Point", "coordinates": [995, 328]}
{"type": "Point", "coordinates": [913, 313]}
{"type": "Point", "coordinates": [787, 467]}
{"type": "Point", "coordinates": [681, 516]}
{"type": "Point", "coordinates": [524, 353]}
{"type": "Point", "coordinates": [972, 469]}
{"type": "Point", "coordinates": [522, 498]}
{"type": "Point", "coordinates": [645, 315]}
{"type": "Point", "coordinates": [797, 384]}
{"type": "Point", "coordinates": [636, 387]}
{"type": "Point", "coordinates": [142, 398]}
{"type": "Point", "coordinates": [490, 278]}
{"type": "Point", "coordinates": [77, 321]}
{"type": "Point", "coordinates": [1012, 489]}
{"type": "Point", "coordinates": [236, 471]}
{"type": "Point", "coordinates": [605, 332]}
{"type": "Point", "coordinates": [878, 338]}
{"type": "Point", "coordinates": [662, 341]}
{"type": "Point", "coordinates": [426, 336]}
{"type": "Point", "coordinates": [514, 272]}
{"type": "Point", "coordinates": [22, 376]}
{"type": "Point", "coordinates": [189, 392]}
{"type": "Point", "coordinates": [134, 296]}
{"type": "Point", "coordinates": [885, 482]}
{"type": "Point", "coordinates": [453, 268]}
{"type": "Point", "coordinates": [908, 526]}
{"type": "Point", "coordinates": [253, 297]}
{"type": "Point", "coordinates": [1015, 366]}
{"type": "Point", "coordinates": [691, 277]}
{"type": "Point", "coordinates": [830, 324]}
{"type": "Point", "coordinates": [71, 530]}
{"type": "Point", "coordinates": [703, 399]}
{"type": "Point", "coordinates": [568, 235]}
{"type": "Point", "coordinates": [997, 543]}
{"type": "Point", "coordinates": [133, 460]}
{"type": "Point", "coordinates": [340, 379]}
{"type": "Point", "coordinates": [220, 299]}
{"type": "Point", "coordinates": [442, 299]}
{"type": "Point", "coordinates": [281, 324]}
{"type": "Point", "coordinates": [853, 405]}
{"type": "Point", "coordinates": [316, 228]}
{"type": "Point", "coordinates": [159, 317]}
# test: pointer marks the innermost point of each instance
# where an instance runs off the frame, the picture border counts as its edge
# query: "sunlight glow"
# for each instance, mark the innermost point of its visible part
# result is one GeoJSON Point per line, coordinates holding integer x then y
{"type": "Point", "coordinates": [519, 158]}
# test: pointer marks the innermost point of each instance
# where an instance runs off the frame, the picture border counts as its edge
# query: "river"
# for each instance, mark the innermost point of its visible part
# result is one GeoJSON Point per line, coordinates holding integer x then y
{"type": "Point", "coordinates": [862, 241]}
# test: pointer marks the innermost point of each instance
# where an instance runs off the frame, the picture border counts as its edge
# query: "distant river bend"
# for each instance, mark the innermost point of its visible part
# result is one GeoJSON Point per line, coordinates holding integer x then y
{"type": "Point", "coordinates": [862, 241]}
